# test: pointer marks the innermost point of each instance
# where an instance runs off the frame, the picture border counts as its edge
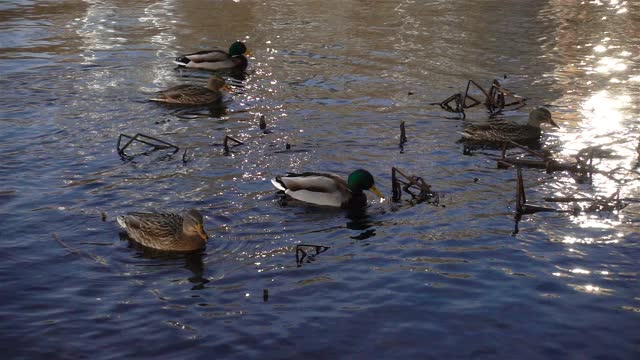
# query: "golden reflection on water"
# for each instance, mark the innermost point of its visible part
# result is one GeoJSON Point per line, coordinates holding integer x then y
{"type": "Point", "coordinates": [597, 79]}
{"type": "Point", "coordinates": [599, 84]}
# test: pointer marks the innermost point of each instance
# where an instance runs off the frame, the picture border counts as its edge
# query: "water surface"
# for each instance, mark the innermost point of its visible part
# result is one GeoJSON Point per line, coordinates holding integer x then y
{"type": "Point", "coordinates": [334, 80]}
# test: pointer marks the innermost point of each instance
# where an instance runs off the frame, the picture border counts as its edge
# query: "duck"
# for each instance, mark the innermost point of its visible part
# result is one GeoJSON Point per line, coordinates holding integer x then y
{"type": "Point", "coordinates": [328, 189]}
{"type": "Point", "coordinates": [166, 231]}
{"type": "Point", "coordinates": [193, 94]}
{"type": "Point", "coordinates": [217, 59]}
{"type": "Point", "coordinates": [504, 132]}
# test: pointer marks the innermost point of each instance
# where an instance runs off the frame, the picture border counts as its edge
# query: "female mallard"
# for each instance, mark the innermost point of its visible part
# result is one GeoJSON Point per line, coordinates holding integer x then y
{"type": "Point", "coordinates": [166, 231]}
{"type": "Point", "coordinates": [502, 132]}
{"type": "Point", "coordinates": [193, 94]}
{"type": "Point", "coordinates": [328, 189]}
{"type": "Point", "coordinates": [217, 59]}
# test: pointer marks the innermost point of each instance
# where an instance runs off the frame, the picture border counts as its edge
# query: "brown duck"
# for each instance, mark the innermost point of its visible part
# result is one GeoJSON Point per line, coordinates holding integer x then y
{"type": "Point", "coordinates": [166, 231]}
{"type": "Point", "coordinates": [194, 94]}
{"type": "Point", "coordinates": [501, 132]}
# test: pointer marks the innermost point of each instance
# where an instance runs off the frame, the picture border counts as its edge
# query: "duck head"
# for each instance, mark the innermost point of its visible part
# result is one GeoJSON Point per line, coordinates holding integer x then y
{"type": "Point", "coordinates": [360, 180]}
{"type": "Point", "coordinates": [193, 224]}
{"type": "Point", "coordinates": [541, 116]}
{"type": "Point", "coordinates": [238, 48]}
{"type": "Point", "coordinates": [217, 83]}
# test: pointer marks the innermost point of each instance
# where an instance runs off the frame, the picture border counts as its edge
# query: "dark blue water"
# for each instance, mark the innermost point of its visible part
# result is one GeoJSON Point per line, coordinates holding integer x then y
{"type": "Point", "coordinates": [334, 80]}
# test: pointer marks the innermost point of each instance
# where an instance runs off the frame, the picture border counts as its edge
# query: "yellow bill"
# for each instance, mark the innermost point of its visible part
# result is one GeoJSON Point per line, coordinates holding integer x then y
{"type": "Point", "coordinates": [375, 190]}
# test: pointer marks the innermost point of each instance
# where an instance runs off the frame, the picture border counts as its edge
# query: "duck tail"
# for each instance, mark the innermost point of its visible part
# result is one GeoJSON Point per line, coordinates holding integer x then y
{"type": "Point", "coordinates": [278, 184]}
{"type": "Point", "coordinates": [121, 221]}
{"type": "Point", "coordinates": [465, 134]}
{"type": "Point", "coordinates": [182, 61]}
{"type": "Point", "coordinates": [160, 99]}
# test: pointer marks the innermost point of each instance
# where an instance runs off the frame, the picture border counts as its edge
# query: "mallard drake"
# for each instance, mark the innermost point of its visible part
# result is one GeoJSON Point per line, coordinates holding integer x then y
{"type": "Point", "coordinates": [500, 132]}
{"type": "Point", "coordinates": [217, 59]}
{"type": "Point", "coordinates": [193, 94]}
{"type": "Point", "coordinates": [328, 189]}
{"type": "Point", "coordinates": [166, 231]}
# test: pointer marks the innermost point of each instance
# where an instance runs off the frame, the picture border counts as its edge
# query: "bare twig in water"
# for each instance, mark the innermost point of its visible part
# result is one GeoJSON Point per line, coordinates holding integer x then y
{"type": "Point", "coordinates": [496, 99]}
{"type": "Point", "coordinates": [301, 253]}
{"type": "Point", "coordinates": [144, 139]}
{"type": "Point", "coordinates": [609, 203]}
{"type": "Point", "coordinates": [403, 134]}
{"type": "Point", "coordinates": [263, 123]}
{"type": "Point", "coordinates": [409, 183]}
{"type": "Point", "coordinates": [98, 259]}
{"type": "Point", "coordinates": [228, 138]}
{"type": "Point", "coordinates": [565, 199]}
{"type": "Point", "coordinates": [522, 208]}
{"type": "Point", "coordinates": [458, 104]}
{"type": "Point", "coordinates": [69, 249]}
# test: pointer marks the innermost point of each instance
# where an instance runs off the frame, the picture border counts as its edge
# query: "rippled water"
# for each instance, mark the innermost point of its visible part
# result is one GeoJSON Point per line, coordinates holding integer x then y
{"type": "Point", "coordinates": [333, 79]}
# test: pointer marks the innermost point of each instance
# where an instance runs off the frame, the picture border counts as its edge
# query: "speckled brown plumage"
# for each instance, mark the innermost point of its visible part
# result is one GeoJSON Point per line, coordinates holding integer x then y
{"type": "Point", "coordinates": [166, 231]}
{"type": "Point", "coordinates": [500, 132]}
{"type": "Point", "coordinates": [193, 94]}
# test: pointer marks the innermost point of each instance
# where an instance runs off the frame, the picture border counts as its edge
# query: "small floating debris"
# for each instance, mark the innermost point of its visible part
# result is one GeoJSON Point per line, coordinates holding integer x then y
{"type": "Point", "coordinates": [184, 157]}
{"type": "Point", "coordinates": [289, 148]}
{"type": "Point", "coordinates": [302, 254]}
{"type": "Point", "coordinates": [154, 143]}
{"type": "Point", "coordinates": [421, 190]}
{"type": "Point", "coordinates": [497, 98]}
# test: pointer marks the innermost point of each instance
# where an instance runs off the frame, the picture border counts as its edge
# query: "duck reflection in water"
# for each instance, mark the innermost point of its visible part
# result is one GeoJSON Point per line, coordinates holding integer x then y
{"type": "Point", "coordinates": [360, 220]}
{"type": "Point", "coordinates": [193, 261]}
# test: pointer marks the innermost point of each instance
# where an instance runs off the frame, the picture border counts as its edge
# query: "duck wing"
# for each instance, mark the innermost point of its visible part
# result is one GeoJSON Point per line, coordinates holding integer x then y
{"type": "Point", "coordinates": [319, 182]}
{"type": "Point", "coordinates": [490, 132]}
{"type": "Point", "coordinates": [187, 94]}
{"type": "Point", "coordinates": [152, 229]}
{"type": "Point", "coordinates": [316, 188]}
{"type": "Point", "coordinates": [203, 56]}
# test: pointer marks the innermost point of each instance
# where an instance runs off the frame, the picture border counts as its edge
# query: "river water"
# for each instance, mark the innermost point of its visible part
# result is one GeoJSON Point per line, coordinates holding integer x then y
{"type": "Point", "coordinates": [334, 79]}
